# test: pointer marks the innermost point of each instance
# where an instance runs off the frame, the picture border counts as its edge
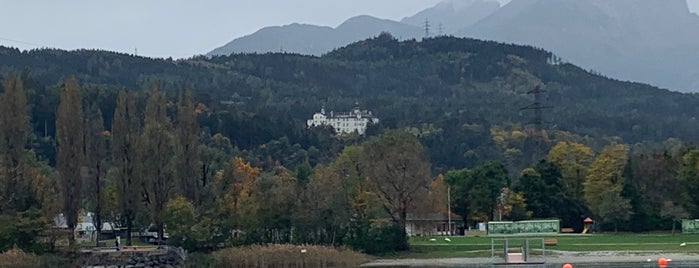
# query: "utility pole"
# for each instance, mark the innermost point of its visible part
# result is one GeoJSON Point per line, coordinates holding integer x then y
{"type": "Point", "coordinates": [449, 207]}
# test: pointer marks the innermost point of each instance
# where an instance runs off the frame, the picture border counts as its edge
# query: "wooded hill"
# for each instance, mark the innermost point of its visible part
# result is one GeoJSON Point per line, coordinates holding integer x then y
{"type": "Point", "coordinates": [451, 91]}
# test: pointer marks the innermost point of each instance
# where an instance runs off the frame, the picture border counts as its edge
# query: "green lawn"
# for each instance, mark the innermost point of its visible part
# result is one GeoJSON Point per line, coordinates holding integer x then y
{"type": "Point", "coordinates": [422, 247]}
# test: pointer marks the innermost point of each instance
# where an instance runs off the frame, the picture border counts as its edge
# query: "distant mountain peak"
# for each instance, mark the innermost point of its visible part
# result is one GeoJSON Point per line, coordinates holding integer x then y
{"type": "Point", "coordinates": [651, 41]}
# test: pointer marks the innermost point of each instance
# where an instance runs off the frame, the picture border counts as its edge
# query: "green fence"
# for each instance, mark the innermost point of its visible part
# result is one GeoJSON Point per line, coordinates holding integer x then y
{"type": "Point", "coordinates": [690, 226]}
{"type": "Point", "coordinates": [523, 227]}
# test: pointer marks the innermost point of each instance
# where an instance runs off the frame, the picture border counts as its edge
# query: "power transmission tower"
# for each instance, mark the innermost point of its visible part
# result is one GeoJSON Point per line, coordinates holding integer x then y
{"type": "Point", "coordinates": [427, 28]}
{"type": "Point", "coordinates": [441, 32]}
{"type": "Point", "coordinates": [537, 107]}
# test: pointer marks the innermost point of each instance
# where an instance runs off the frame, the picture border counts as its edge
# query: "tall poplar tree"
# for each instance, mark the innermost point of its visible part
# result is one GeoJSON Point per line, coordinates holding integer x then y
{"type": "Point", "coordinates": [69, 153]}
{"type": "Point", "coordinates": [14, 125]}
{"type": "Point", "coordinates": [95, 161]}
{"type": "Point", "coordinates": [125, 133]}
{"type": "Point", "coordinates": [157, 147]}
{"type": "Point", "coordinates": [188, 162]}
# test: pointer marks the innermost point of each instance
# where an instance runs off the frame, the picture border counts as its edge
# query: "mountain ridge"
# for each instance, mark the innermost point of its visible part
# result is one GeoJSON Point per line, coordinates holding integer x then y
{"type": "Point", "coordinates": [315, 40]}
{"type": "Point", "coordinates": [650, 41]}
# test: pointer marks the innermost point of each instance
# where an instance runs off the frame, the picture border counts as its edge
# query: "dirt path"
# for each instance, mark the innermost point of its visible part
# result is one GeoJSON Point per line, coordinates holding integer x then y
{"type": "Point", "coordinates": [560, 258]}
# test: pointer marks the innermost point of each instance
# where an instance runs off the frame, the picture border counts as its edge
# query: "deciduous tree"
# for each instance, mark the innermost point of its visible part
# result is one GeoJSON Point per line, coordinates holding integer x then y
{"type": "Point", "coordinates": [157, 165]}
{"type": "Point", "coordinates": [14, 127]}
{"type": "Point", "coordinates": [69, 149]}
{"type": "Point", "coordinates": [96, 139]}
{"type": "Point", "coordinates": [604, 183]}
{"type": "Point", "coordinates": [398, 168]}
{"type": "Point", "coordinates": [125, 134]}
{"type": "Point", "coordinates": [188, 163]}
{"type": "Point", "coordinates": [573, 160]}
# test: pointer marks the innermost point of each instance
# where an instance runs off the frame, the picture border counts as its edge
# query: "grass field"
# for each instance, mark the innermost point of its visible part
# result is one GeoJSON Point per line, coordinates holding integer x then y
{"type": "Point", "coordinates": [422, 247]}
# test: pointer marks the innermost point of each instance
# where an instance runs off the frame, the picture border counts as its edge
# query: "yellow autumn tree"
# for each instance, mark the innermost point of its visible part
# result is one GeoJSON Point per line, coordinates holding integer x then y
{"type": "Point", "coordinates": [573, 159]}
{"type": "Point", "coordinates": [233, 186]}
{"type": "Point", "coordinates": [603, 185]}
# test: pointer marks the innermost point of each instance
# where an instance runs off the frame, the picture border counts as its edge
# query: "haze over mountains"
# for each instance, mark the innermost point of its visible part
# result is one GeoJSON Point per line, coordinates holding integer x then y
{"type": "Point", "coordinates": [650, 41]}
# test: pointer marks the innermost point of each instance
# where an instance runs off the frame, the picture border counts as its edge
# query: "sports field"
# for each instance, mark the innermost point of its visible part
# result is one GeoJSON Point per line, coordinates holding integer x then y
{"type": "Point", "coordinates": [455, 247]}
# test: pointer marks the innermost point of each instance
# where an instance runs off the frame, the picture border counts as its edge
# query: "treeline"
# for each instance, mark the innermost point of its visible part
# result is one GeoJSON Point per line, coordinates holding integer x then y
{"type": "Point", "coordinates": [636, 188]}
{"type": "Point", "coordinates": [155, 166]}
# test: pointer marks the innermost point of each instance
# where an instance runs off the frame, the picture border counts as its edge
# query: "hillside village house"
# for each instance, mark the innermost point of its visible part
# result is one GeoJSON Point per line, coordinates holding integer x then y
{"type": "Point", "coordinates": [356, 120]}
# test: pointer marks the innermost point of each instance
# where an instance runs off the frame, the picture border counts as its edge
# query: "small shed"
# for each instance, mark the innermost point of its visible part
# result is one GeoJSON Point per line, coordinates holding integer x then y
{"type": "Point", "coordinates": [430, 224]}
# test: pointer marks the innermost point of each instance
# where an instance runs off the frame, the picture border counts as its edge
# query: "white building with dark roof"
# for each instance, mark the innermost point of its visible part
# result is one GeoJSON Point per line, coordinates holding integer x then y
{"type": "Point", "coordinates": [356, 120]}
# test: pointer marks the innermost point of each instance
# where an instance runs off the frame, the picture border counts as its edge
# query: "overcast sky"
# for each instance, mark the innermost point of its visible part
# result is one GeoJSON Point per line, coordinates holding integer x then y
{"type": "Point", "coordinates": [176, 28]}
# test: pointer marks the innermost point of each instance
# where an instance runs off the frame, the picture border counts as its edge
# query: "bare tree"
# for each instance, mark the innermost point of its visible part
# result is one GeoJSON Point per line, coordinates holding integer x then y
{"type": "Point", "coordinates": [398, 167]}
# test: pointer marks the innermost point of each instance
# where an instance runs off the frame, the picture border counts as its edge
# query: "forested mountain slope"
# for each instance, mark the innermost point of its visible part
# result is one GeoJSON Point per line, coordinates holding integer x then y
{"type": "Point", "coordinates": [456, 94]}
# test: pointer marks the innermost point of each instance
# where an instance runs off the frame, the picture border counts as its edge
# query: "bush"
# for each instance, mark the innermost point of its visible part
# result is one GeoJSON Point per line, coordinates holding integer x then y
{"type": "Point", "coordinates": [378, 239]}
{"type": "Point", "coordinates": [21, 230]}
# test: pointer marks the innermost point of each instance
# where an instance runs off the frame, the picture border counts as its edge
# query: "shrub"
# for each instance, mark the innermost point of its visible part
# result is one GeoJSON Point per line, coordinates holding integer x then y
{"type": "Point", "coordinates": [377, 238]}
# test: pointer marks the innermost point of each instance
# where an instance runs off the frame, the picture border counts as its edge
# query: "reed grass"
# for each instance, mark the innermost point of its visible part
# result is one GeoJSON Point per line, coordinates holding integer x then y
{"type": "Point", "coordinates": [19, 259]}
{"type": "Point", "coordinates": [288, 256]}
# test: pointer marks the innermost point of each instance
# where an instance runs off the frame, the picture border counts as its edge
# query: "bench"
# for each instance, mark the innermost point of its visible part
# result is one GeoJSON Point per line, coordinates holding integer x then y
{"type": "Point", "coordinates": [567, 230]}
{"type": "Point", "coordinates": [550, 241]}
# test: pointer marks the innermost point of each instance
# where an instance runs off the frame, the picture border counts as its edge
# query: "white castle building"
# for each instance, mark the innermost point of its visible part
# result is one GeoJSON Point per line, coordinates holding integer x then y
{"type": "Point", "coordinates": [355, 120]}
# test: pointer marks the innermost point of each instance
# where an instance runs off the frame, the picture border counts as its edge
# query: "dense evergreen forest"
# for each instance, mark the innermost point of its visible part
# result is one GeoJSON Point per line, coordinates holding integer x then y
{"type": "Point", "coordinates": [217, 148]}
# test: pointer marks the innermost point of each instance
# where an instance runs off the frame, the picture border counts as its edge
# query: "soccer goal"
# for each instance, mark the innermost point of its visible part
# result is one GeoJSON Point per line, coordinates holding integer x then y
{"type": "Point", "coordinates": [518, 250]}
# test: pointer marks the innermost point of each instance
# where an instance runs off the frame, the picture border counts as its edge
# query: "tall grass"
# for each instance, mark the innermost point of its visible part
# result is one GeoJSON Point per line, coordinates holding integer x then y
{"type": "Point", "coordinates": [18, 258]}
{"type": "Point", "coordinates": [287, 256]}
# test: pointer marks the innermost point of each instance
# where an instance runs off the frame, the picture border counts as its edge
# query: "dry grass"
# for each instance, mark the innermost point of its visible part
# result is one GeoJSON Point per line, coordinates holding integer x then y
{"type": "Point", "coordinates": [288, 256]}
{"type": "Point", "coordinates": [18, 258]}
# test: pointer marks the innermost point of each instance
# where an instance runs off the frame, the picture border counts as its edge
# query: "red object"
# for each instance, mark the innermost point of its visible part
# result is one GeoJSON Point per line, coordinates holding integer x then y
{"type": "Point", "coordinates": [587, 220]}
{"type": "Point", "coordinates": [662, 262]}
{"type": "Point", "coordinates": [567, 265]}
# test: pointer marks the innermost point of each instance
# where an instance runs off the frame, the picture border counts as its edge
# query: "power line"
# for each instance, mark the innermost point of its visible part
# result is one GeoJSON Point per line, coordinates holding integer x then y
{"type": "Point", "coordinates": [22, 42]}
